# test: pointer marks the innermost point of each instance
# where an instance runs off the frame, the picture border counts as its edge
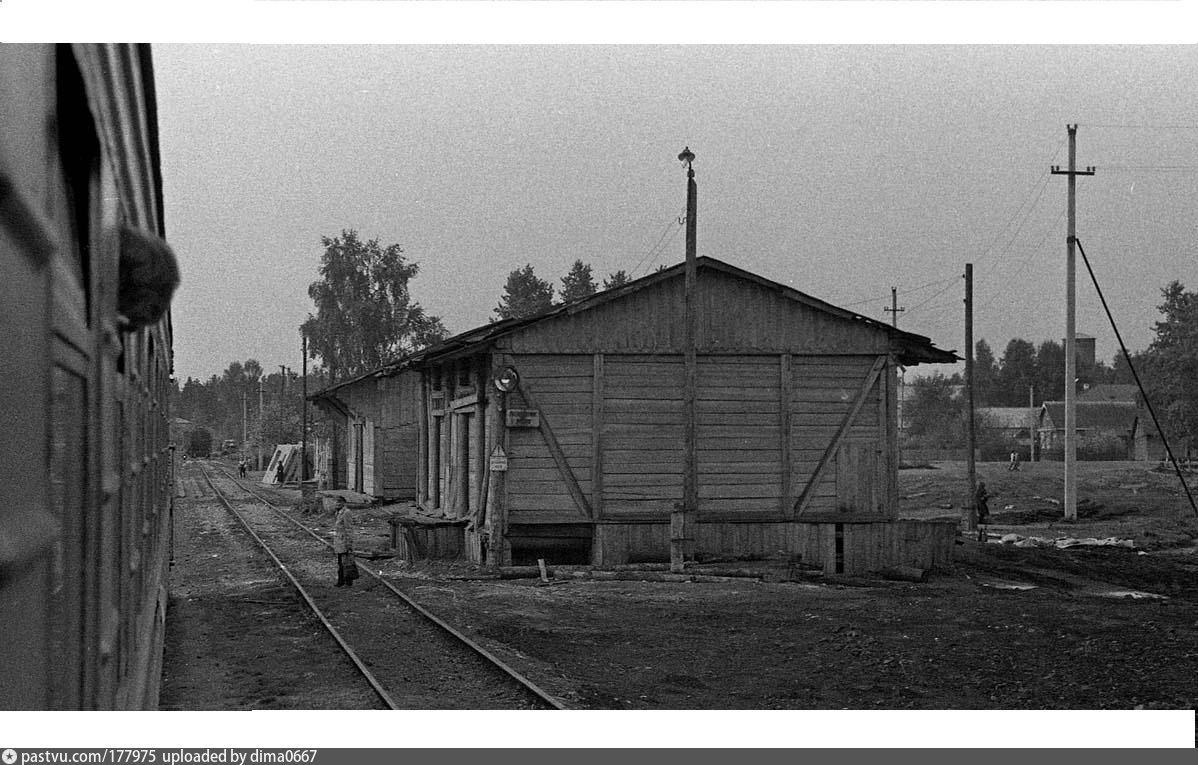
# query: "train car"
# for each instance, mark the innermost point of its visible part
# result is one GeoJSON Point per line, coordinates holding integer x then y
{"type": "Point", "coordinates": [85, 520]}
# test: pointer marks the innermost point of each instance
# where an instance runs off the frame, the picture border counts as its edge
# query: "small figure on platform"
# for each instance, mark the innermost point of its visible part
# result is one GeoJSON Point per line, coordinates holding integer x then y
{"type": "Point", "coordinates": [1014, 461]}
{"type": "Point", "coordinates": [980, 498]}
{"type": "Point", "coordinates": [343, 545]}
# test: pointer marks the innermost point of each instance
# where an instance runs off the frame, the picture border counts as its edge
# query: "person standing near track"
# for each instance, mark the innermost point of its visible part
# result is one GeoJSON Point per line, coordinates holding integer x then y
{"type": "Point", "coordinates": [980, 498]}
{"type": "Point", "coordinates": [343, 545]}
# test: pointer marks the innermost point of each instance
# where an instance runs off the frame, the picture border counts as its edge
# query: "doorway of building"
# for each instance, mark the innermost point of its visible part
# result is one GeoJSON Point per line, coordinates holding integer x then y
{"type": "Point", "coordinates": [359, 461]}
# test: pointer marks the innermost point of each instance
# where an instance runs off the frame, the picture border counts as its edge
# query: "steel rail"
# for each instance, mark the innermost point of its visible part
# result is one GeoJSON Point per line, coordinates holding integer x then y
{"type": "Point", "coordinates": [375, 685]}
{"type": "Point", "coordinates": [528, 685]}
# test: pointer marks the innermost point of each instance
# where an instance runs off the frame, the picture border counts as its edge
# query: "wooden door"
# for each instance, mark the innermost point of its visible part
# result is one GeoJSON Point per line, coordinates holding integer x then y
{"type": "Point", "coordinates": [356, 448]}
{"type": "Point", "coordinates": [366, 455]}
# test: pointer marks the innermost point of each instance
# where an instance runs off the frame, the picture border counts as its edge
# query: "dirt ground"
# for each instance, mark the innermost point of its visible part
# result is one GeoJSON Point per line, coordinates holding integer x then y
{"type": "Point", "coordinates": [237, 636]}
{"type": "Point", "coordinates": [1006, 628]}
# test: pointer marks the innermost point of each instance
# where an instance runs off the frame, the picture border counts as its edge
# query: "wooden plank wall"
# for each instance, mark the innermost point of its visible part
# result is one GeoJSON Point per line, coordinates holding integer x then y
{"type": "Point", "coordinates": [388, 408]}
{"type": "Point", "coordinates": [742, 424]}
{"type": "Point", "coordinates": [739, 436]}
{"type": "Point", "coordinates": [562, 386]}
{"type": "Point", "coordinates": [642, 431]}
{"type": "Point", "coordinates": [823, 391]}
{"type": "Point", "coordinates": [397, 436]}
{"type": "Point", "coordinates": [651, 320]}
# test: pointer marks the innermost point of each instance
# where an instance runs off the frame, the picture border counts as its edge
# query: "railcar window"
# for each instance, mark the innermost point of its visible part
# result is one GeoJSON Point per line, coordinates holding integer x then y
{"type": "Point", "coordinates": [79, 157]}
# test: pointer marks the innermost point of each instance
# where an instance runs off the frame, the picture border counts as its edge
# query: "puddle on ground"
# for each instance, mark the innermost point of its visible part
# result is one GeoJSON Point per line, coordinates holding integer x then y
{"type": "Point", "coordinates": [1006, 584]}
{"type": "Point", "coordinates": [1099, 592]}
{"type": "Point", "coordinates": [1117, 593]}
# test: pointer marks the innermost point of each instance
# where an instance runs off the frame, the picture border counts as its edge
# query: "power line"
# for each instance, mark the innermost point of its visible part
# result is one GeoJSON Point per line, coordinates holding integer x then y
{"type": "Point", "coordinates": [1022, 263]}
{"type": "Point", "coordinates": [653, 249]}
{"type": "Point", "coordinates": [664, 246]}
{"type": "Point", "coordinates": [1042, 180]}
{"type": "Point", "coordinates": [1153, 168]}
{"type": "Point", "coordinates": [929, 284]}
{"type": "Point", "coordinates": [1140, 127]}
{"type": "Point", "coordinates": [1022, 223]}
{"type": "Point", "coordinates": [936, 294]}
{"type": "Point", "coordinates": [904, 290]}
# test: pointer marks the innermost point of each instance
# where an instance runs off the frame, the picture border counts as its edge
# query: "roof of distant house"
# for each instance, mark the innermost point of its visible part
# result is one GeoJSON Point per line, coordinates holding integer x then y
{"type": "Point", "coordinates": [1005, 417]}
{"type": "Point", "coordinates": [1110, 392]}
{"type": "Point", "coordinates": [1095, 415]}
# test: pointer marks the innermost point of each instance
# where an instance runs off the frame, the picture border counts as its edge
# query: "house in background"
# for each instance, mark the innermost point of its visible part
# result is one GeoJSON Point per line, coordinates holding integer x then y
{"type": "Point", "coordinates": [1149, 445]}
{"type": "Point", "coordinates": [1107, 430]}
{"type": "Point", "coordinates": [373, 448]}
{"type": "Point", "coordinates": [1111, 392]}
{"type": "Point", "coordinates": [565, 435]}
{"type": "Point", "coordinates": [1006, 428]}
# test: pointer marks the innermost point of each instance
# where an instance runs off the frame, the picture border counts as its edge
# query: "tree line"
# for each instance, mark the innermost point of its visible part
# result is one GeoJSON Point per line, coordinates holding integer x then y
{"type": "Point", "coordinates": [1168, 369]}
{"type": "Point", "coordinates": [525, 294]}
{"type": "Point", "coordinates": [215, 405]}
{"type": "Point", "coordinates": [364, 317]}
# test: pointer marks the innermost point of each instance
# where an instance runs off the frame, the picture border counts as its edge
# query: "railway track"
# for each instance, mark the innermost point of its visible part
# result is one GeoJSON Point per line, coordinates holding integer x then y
{"type": "Point", "coordinates": [411, 658]}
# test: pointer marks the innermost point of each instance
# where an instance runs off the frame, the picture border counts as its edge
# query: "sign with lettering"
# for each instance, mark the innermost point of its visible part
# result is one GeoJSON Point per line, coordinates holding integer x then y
{"type": "Point", "coordinates": [498, 460]}
{"type": "Point", "coordinates": [523, 418]}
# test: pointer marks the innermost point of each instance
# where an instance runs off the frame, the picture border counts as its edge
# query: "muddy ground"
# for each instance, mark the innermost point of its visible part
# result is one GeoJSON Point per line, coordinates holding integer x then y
{"type": "Point", "coordinates": [1005, 628]}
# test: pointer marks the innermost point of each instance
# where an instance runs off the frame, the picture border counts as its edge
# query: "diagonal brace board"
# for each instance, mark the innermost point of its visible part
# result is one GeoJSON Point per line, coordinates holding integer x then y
{"type": "Point", "coordinates": [555, 450]}
{"type": "Point", "coordinates": [826, 460]}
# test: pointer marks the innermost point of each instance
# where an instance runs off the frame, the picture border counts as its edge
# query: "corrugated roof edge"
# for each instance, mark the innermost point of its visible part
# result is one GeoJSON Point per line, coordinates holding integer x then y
{"type": "Point", "coordinates": [917, 348]}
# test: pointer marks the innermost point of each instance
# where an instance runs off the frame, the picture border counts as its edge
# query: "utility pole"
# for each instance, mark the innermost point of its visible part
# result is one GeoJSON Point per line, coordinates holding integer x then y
{"type": "Point", "coordinates": [683, 521]}
{"type": "Point", "coordinates": [1070, 326]}
{"type": "Point", "coordinates": [282, 380]}
{"type": "Point", "coordinates": [304, 419]}
{"type": "Point", "coordinates": [244, 432]}
{"type": "Point", "coordinates": [894, 312]}
{"type": "Point", "coordinates": [259, 423]}
{"type": "Point", "coordinates": [971, 517]}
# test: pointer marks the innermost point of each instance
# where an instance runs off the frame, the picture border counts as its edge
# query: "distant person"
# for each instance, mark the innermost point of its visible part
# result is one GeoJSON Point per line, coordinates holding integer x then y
{"type": "Point", "coordinates": [1014, 461]}
{"type": "Point", "coordinates": [980, 498]}
{"type": "Point", "coordinates": [280, 474]}
{"type": "Point", "coordinates": [343, 545]}
{"type": "Point", "coordinates": [241, 468]}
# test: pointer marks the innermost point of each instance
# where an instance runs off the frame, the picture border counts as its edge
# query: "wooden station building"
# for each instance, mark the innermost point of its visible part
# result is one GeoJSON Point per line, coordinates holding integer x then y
{"type": "Point", "coordinates": [770, 421]}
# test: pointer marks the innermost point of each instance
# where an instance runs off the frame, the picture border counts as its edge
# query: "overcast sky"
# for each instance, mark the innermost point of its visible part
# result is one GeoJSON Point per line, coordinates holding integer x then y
{"type": "Point", "coordinates": [840, 171]}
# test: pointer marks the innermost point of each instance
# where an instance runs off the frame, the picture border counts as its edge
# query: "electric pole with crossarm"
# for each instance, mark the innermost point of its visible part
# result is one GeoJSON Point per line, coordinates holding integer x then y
{"type": "Point", "coordinates": [1070, 326]}
{"type": "Point", "coordinates": [894, 309]}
